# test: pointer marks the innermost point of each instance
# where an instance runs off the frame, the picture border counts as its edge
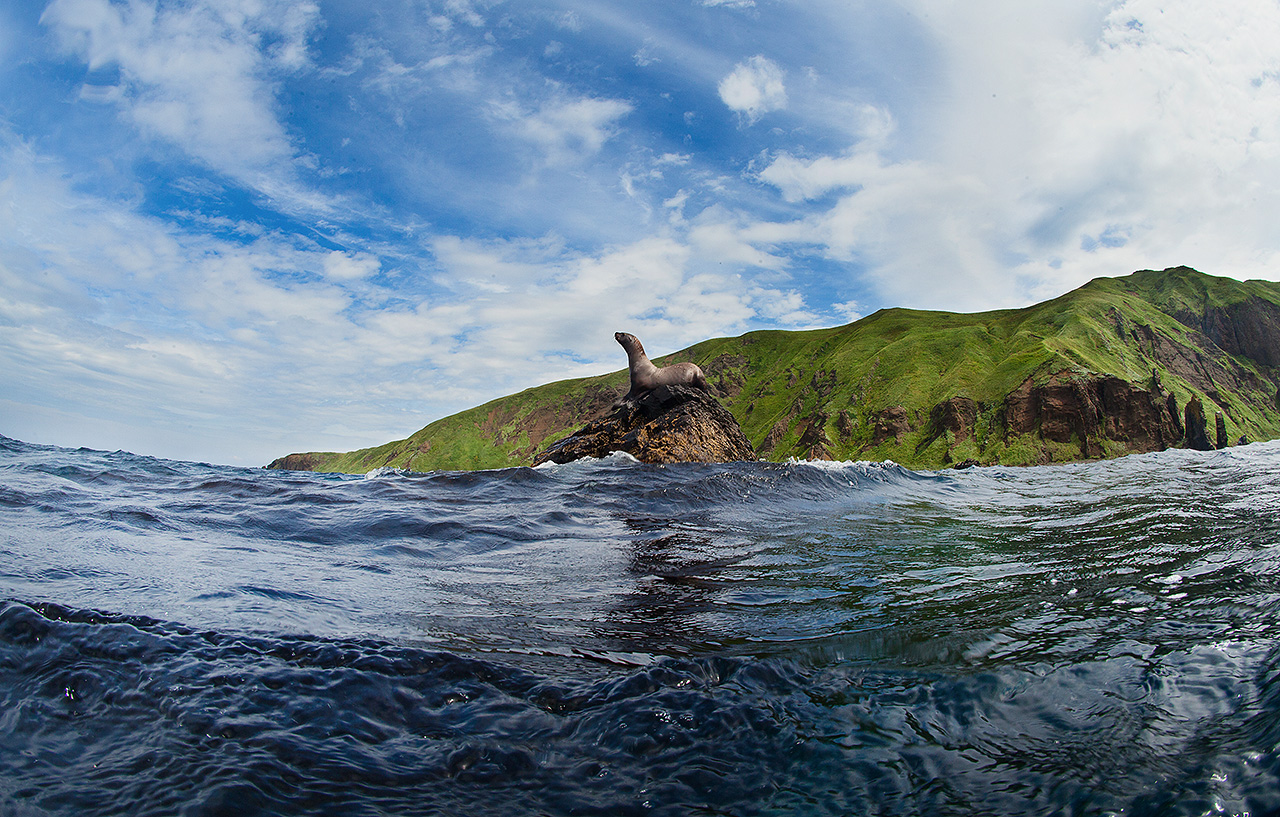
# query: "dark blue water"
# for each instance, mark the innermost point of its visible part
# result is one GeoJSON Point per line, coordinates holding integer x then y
{"type": "Point", "coordinates": [615, 638]}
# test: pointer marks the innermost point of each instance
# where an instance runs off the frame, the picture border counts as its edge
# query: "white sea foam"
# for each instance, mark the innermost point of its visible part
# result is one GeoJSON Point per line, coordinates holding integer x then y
{"type": "Point", "coordinates": [610, 459]}
{"type": "Point", "coordinates": [387, 471]}
{"type": "Point", "coordinates": [841, 465]}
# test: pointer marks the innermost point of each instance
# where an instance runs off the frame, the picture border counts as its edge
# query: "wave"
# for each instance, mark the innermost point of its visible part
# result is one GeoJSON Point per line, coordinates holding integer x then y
{"type": "Point", "coordinates": [612, 637]}
{"type": "Point", "coordinates": [168, 718]}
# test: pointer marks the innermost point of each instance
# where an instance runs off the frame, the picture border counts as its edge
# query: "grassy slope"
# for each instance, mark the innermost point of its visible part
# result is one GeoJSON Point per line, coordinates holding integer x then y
{"type": "Point", "coordinates": [778, 383]}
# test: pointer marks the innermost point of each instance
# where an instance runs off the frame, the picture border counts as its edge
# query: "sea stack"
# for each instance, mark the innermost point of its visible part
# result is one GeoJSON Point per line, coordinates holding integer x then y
{"type": "Point", "coordinates": [1197, 431]}
{"type": "Point", "coordinates": [664, 425]}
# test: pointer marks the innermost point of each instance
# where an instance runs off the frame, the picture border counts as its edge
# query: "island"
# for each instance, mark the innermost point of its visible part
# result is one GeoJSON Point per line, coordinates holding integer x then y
{"type": "Point", "coordinates": [1152, 360]}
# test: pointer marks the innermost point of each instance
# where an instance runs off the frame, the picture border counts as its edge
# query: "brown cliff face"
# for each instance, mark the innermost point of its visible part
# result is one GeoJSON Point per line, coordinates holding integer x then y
{"type": "Point", "coordinates": [1249, 328]}
{"type": "Point", "coordinates": [891, 422]}
{"type": "Point", "coordinates": [668, 424]}
{"type": "Point", "coordinates": [594, 404]}
{"type": "Point", "coordinates": [295, 462]}
{"type": "Point", "coordinates": [814, 441]}
{"type": "Point", "coordinates": [958, 415]}
{"type": "Point", "coordinates": [1091, 409]}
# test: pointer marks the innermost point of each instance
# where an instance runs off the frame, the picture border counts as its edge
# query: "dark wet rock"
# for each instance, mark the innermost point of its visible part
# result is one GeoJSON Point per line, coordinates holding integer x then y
{"type": "Point", "coordinates": [1171, 405]}
{"type": "Point", "coordinates": [667, 424]}
{"type": "Point", "coordinates": [1220, 430]}
{"type": "Point", "coordinates": [297, 462]}
{"type": "Point", "coordinates": [1197, 427]}
{"type": "Point", "coordinates": [969, 463]}
{"type": "Point", "coordinates": [844, 425]}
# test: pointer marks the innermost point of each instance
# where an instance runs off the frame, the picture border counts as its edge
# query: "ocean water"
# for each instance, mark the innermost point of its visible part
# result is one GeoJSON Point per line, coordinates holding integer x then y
{"type": "Point", "coordinates": [612, 638]}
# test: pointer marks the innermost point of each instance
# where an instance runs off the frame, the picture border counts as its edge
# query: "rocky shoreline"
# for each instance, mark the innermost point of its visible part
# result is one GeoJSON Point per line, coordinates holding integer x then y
{"type": "Point", "coordinates": [1153, 360]}
{"type": "Point", "coordinates": [668, 424]}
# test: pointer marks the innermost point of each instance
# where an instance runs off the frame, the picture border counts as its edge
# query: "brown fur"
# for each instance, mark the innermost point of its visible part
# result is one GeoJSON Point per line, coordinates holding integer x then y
{"type": "Point", "coordinates": [645, 376]}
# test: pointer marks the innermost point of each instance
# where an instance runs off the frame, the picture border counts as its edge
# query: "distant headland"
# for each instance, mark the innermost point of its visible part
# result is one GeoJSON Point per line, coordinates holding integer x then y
{"type": "Point", "coordinates": [1153, 360]}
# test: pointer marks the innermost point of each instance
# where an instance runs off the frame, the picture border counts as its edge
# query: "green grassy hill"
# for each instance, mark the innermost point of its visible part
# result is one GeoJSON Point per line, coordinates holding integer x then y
{"type": "Point", "coordinates": [1078, 376]}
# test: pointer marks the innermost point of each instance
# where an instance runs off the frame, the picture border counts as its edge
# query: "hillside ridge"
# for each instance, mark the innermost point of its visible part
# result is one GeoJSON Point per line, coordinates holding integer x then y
{"type": "Point", "coordinates": [1117, 366]}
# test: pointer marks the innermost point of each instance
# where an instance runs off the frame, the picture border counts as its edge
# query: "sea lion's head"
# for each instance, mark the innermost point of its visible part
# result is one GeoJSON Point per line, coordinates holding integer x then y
{"type": "Point", "coordinates": [628, 341]}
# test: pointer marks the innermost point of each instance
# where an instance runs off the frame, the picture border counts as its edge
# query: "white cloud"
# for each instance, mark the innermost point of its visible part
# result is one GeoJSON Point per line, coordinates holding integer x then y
{"type": "Point", "coordinates": [556, 317]}
{"type": "Point", "coordinates": [196, 75]}
{"type": "Point", "coordinates": [724, 239]}
{"type": "Point", "coordinates": [1070, 145]}
{"type": "Point", "coordinates": [163, 330]}
{"type": "Point", "coordinates": [462, 10]}
{"type": "Point", "coordinates": [643, 56]}
{"type": "Point", "coordinates": [496, 265]}
{"type": "Point", "coordinates": [754, 88]}
{"type": "Point", "coordinates": [799, 179]}
{"type": "Point", "coordinates": [786, 308]}
{"type": "Point", "coordinates": [570, 130]}
{"type": "Point", "coordinates": [342, 266]}
{"type": "Point", "coordinates": [570, 21]}
{"type": "Point", "coordinates": [849, 311]}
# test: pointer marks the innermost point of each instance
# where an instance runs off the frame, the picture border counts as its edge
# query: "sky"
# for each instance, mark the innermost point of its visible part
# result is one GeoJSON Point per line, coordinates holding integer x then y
{"type": "Point", "coordinates": [235, 229]}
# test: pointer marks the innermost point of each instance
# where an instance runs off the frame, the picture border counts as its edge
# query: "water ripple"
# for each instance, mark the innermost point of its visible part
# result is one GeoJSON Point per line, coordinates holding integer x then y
{"type": "Point", "coordinates": [615, 638]}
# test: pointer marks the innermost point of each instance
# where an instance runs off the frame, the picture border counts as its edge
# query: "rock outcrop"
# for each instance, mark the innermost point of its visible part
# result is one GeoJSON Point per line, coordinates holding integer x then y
{"type": "Point", "coordinates": [958, 415]}
{"type": "Point", "coordinates": [1249, 328]}
{"type": "Point", "coordinates": [1197, 427]}
{"type": "Point", "coordinates": [892, 422]}
{"type": "Point", "coordinates": [668, 424]}
{"type": "Point", "coordinates": [296, 462]}
{"type": "Point", "coordinates": [1091, 409]}
{"type": "Point", "coordinates": [814, 441]}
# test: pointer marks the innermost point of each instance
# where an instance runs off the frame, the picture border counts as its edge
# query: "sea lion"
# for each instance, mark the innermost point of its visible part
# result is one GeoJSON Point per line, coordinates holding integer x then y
{"type": "Point", "coordinates": [646, 377]}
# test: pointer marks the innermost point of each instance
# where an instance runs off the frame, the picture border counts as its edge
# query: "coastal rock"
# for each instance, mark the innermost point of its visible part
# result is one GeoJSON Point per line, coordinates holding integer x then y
{"type": "Point", "coordinates": [1090, 409]}
{"type": "Point", "coordinates": [844, 424]}
{"type": "Point", "coordinates": [668, 424]}
{"type": "Point", "coordinates": [1197, 427]}
{"type": "Point", "coordinates": [296, 462]}
{"type": "Point", "coordinates": [778, 431]}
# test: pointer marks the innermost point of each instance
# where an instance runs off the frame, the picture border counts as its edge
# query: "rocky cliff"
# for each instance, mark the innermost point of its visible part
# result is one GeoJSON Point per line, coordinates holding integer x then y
{"type": "Point", "coordinates": [668, 424]}
{"type": "Point", "coordinates": [1120, 365]}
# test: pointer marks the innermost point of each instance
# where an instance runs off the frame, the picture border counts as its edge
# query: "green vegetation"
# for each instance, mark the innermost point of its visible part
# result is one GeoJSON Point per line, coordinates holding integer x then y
{"type": "Point", "coordinates": [873, 389]}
